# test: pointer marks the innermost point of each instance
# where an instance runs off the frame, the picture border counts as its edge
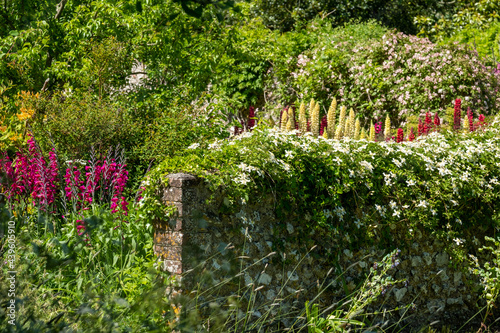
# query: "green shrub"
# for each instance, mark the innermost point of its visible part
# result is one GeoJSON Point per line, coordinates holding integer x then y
{"type": "Point", "coordinates": [463, 15]}
{"type": "Point", "coordinates": [484, 40]}
{"type": "Point", "coordinates": [284, 15]}
{"type": "Point", "coordinates": [76, 123]}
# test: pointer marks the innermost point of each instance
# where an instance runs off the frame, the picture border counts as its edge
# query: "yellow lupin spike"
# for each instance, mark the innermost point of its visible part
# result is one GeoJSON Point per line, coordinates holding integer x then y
{"type": "Point", "coordinates": [387, 128]}
{"type": "Point", "coordinates": [347, 127]}
{"type": "Point", "coordinates": [290, 124]}
{"type": "Point", "coordinates": [363, 134]}
{"type": "Point", "coordinates": [466, 125]}
{"type": "Point", "coordinates": [372, 132]}
{"type": "Point", "coordinates": [302, 118]}
{"type": "Point", "coordinates": [291, 115]}
{"type": "Point", "coordinates": [284, 120]}
{"type": "Point", "coordinates": [357, 127]}
{"type": "Point", "coordinates": [352, 120]}
{"type": "Point", "coordinates": [330, 118]}
{"type": "Point", "coordinates": [340, 127]}
{"type": "Point", "coordinates": [315, 120]}
{"type": "Point", "coordinates": [325, 134]}
{"type": "Point", "coordinates": [338, 132]}
{"type": "Point", "coordinates": [311, 107]}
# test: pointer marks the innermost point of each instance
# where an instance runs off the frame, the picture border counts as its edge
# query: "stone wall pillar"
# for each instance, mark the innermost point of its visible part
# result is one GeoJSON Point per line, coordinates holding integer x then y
{"type": "Point", "coordinates": [170, 234]}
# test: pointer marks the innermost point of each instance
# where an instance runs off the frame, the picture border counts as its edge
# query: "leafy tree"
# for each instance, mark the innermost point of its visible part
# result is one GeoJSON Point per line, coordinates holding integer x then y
{"type": "Point", "coordinates": [284, 15]}
{"type": "Point", "coordinates": [461, 16]}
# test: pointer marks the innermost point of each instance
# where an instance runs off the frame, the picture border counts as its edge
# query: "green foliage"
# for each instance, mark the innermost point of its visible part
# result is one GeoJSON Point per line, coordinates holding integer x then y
{"type": "Point", "coordinates": [320, 69]}
{"type": "Point", "coordinates": [180, 126]}
{"type": "Point", "coordinates": [489, 274]}
{"type": "Point", "coordinates": [76, 123]}
{"type": "Point", "coordinates": [485, 41]}
{"type": "Point", "coordinates": [463, 15]}
{"type": "Point", "coordinates": [284, 15]}
{"type": "Point", "coordinates": [105, 279]}
{"type": "Point", "coordinates": [376, 283]}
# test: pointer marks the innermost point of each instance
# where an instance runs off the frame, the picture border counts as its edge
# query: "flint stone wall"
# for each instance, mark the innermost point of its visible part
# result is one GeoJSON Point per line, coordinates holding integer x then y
{"type": "Point", "coordinates": [436, 290]}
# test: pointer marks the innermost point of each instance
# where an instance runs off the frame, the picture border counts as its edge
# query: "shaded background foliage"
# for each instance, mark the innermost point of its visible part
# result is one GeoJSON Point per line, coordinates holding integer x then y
{"type": "Point", "coordinates": [163, 63]}
{"type": "Point", "coordinates": [156, 76]}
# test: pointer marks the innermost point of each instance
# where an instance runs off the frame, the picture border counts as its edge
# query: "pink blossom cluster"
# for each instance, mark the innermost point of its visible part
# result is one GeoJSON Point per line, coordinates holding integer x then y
{"type": "Point", "coordinates": [120, 178]}
{"type": "Point", "coordinates": [33, 178]}
{"type": "Point", "coordinates": [397, 74]}
{"type": "Point", "coordinates": [106, 177]}
{"type": "Point", "coordinates": [30, 175]}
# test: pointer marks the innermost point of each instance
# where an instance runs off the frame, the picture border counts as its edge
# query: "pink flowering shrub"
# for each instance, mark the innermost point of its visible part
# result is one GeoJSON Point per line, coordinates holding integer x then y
{"type": "Point", "coordinates": [395, 74]}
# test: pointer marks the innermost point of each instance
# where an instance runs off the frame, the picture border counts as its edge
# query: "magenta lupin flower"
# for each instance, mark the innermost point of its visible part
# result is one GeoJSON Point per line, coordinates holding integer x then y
{"type": "Point", "coordinates": [80, 227]}
{"type": "Point", "coordinates": [421, 127]}
{"type": "Point", "coordinates": [324, 124]}
{"type": "Point", "coordinates": [428, 123]}
{"type": "Point", "coordinates": [411, 136]}
{"type": "Point", "coordinates": [39, 175]}
{"type": "Point", "coordinates": [457, 115]}
{"type": "Point", "coordinates": [74, 185]}
{"type": "Point", "coordinates": [400, 135]}
{"type": "Point", "coordinates": [437, 121]}
{"type": "Point", "coordinates": [52, 175]}
{"type": "Point", "coordinates": [251, 118]}
{"type": "Point", "coordinates": [119, 182]}
{"type": "Point", "coordinates": [481, 119]}
{"type": "Point", "coordinates": [470, 116]}
{"type": "Point", "coordinates": [124, 205]}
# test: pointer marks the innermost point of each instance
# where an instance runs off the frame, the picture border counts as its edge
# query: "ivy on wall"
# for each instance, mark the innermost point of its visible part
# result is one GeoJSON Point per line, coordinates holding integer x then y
{"type": "Point", "coordinates": [357, 191]}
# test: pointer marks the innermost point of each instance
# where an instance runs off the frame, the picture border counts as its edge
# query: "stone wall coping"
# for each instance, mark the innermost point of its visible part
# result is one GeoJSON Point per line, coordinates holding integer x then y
{"type": "Point", "coordinates": [181, 179]}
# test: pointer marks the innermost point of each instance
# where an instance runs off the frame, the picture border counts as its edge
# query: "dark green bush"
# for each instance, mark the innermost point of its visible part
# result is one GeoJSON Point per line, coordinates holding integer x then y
{"type": "Point", "coordinates": [399, 14]}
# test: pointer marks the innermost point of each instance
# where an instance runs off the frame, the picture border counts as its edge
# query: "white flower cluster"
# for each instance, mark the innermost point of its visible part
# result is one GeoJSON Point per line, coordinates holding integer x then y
{"type": "Point", "coordinates": [409, 177]}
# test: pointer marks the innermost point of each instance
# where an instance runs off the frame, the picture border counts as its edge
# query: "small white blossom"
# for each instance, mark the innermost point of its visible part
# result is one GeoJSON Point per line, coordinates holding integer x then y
{"type": "Point", "coordinates": [214, 146]}
{"type": "Point", "coordinates": [398, 163]}
{"type": "Point", "coordinates": [367, 165]}
{"type": "Point", "coordinates": [422, 203]}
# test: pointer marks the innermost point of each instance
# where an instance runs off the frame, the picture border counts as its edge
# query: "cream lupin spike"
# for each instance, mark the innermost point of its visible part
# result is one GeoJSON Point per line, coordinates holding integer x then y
{"type": "Point", "coordinates": [347, 127]}
{"type": "Point", "coordinates": [338, 132]}
{"type": "Point", "coordinates": [311, 107]}
{"type": "Point", "coordinates": [290, 124]}
{"type": "Point", "coordinates": [372, 132]}
{"type": "Point", "coordinates": [315, 121]}
{"type": "Point", "coordinates": [387, 128]}
{"type": "Point", "coordinates": [352, 120]}
{"type": "Point", "coordinates": [357, 127]}
{"type": "Point", "coordinates": [291, 115]}
{"type": "Point", "coordinates": [466, 125]}
{"type": "Point", "coordinates": [363, 134]}
{"type": "Point", "coordinates": [302, 118]}
{"type": "Point", "coordinates": [284, 120]}
{"type": "Point", "coordinates": [330, 118]}
{"type": "Point", "coordinates": [340, 127]}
